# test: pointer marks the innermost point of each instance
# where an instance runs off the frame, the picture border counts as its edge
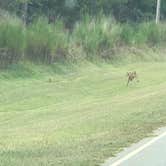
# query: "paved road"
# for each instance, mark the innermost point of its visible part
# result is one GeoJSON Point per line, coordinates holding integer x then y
{"type": "Point", "coordinates": [150, 152]}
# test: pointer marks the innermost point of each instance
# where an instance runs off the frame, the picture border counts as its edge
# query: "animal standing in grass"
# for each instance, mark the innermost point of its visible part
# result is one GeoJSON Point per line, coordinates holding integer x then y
{"type": "Point", "coordinates": [50, 80]}
{"type": "Point", "coordinates": [131, 76]}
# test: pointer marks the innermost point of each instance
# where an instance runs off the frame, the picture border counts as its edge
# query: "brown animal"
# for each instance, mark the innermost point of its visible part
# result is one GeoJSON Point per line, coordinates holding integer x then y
{"type": "Point", "coordinates": [50, 80]}
{"type": "Point", "coordinates": [131, 76]}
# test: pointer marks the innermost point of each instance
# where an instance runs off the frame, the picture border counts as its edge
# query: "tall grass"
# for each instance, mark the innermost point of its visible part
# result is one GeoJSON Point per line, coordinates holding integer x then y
{"type": "Point", "coordinates": [46, 42]}
{"type": "Point", "coordinates": [143, 34]}
{"type": "Point", "coordinates": [12, 41]}
{"type": "Point", "coordinates": [91, 38]}
{"type": "Point", "coordinates": [94, 34]}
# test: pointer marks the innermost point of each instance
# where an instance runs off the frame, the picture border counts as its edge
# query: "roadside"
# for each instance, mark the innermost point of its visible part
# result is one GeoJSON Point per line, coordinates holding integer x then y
{"type": "Point", "coordinates": [150, 151]}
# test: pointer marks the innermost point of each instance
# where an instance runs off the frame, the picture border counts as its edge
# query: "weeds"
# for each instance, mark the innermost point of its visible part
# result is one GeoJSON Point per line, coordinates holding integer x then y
{"type": "Point", "coordinates": [12, 41]}
{"type": "Point", "coordinates": [90, 38]}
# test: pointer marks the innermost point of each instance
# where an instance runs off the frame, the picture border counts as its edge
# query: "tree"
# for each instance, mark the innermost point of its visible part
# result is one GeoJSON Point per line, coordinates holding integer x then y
{"type": "Point", "coordinates": [71, 10]}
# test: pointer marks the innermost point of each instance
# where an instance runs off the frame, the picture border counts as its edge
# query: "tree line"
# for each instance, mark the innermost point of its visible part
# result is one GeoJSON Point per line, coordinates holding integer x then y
{"type": "Point", "coordinates": [71, 10]}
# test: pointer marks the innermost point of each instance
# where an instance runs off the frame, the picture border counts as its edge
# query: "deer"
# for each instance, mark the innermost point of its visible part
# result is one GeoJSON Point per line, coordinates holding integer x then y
{"type": "Point", "coordinates": [131, 76]}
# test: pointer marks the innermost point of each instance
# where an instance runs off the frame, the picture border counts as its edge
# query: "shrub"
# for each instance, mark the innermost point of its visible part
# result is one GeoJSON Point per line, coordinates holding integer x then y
{"type": "Point", "coordinates": [46, 42]}
{"type": "Point", "coordinates": [93, 34]}
{"type": "Point", "coordinates": [12, 41]}
{"type": "Point", "coordinates": [150, 33]}
{"type": "Point", "coordinates": [127, 34]}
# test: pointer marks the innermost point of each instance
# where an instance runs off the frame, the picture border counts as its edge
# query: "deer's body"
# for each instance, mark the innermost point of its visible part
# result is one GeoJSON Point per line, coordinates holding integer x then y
{"type": "Point", "coordinates": [131, 76]}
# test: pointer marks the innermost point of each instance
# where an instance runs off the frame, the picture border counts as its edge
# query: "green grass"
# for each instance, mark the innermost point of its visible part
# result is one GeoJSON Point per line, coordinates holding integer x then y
{"type": "Point", "coordinates": [85, 115]}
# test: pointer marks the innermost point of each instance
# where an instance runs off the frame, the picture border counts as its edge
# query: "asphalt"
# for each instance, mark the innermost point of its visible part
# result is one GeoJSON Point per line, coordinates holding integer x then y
{"type": "Point", "coordinates": [148, 152]}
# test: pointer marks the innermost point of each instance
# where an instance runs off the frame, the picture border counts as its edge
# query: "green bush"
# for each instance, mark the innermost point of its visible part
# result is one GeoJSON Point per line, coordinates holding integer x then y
{"type": "Point", "coordinates": [90, 38]}
{"type": "Point", "coordinates": [12, 41]}
{"type": "Point", "coordinates": [46, 42]}
{"type": "Point", "coordinates": [163, 32]}
{"type": "Point", "coordinates": [93, 34]}
{"type": "Point", "coordinates": [150, 33]}
{"type": "Point", "coordinates": [128, 34]}
{"type": "Point", "coordinates": [143, 33]}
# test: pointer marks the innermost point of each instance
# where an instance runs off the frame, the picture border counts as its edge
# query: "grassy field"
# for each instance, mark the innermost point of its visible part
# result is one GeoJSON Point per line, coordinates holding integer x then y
{"type": "Point", "coordinates": [83, 116]}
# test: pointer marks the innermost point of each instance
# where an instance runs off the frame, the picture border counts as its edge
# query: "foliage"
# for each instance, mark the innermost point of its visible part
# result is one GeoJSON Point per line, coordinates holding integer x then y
{"type": "Point", "coordinates": [91, 38]}
{"type": "Point", "coordinates": [46, 42]}
{"type": "Point", "coordinates": [12, 41]}
{"type": "Point", "coordinates": [85, 115]}
{"type": "Point", "coordinates": [93, 34]}
{"type": "Point", "coordinates": [71, 10]}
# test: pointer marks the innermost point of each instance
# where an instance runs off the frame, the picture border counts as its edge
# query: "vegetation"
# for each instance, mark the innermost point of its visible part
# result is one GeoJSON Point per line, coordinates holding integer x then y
{"type": "Point", "coordinates": [85, 115]}
{"type": "Point", "coordinates": [46, 42]}
{"type": "Point", "coordinates": [75, 30]}
{"type": "Point", "coordinates": [72, 10]}
{"type": "Point", "coordinates": [12, 41]}
{"type": "Point", "coordinates": [91, 38]}
{"type": "Point", "coordinates": [60, 105]}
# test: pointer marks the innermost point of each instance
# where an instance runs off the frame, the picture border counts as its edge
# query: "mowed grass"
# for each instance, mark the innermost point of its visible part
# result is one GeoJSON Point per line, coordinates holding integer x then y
{"type": "Point", "coordinates": [83, 116]}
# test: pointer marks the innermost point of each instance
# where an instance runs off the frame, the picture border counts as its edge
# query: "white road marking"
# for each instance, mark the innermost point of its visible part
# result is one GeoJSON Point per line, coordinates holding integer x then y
{"type": "Point", "coordinates": [117, 163]}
